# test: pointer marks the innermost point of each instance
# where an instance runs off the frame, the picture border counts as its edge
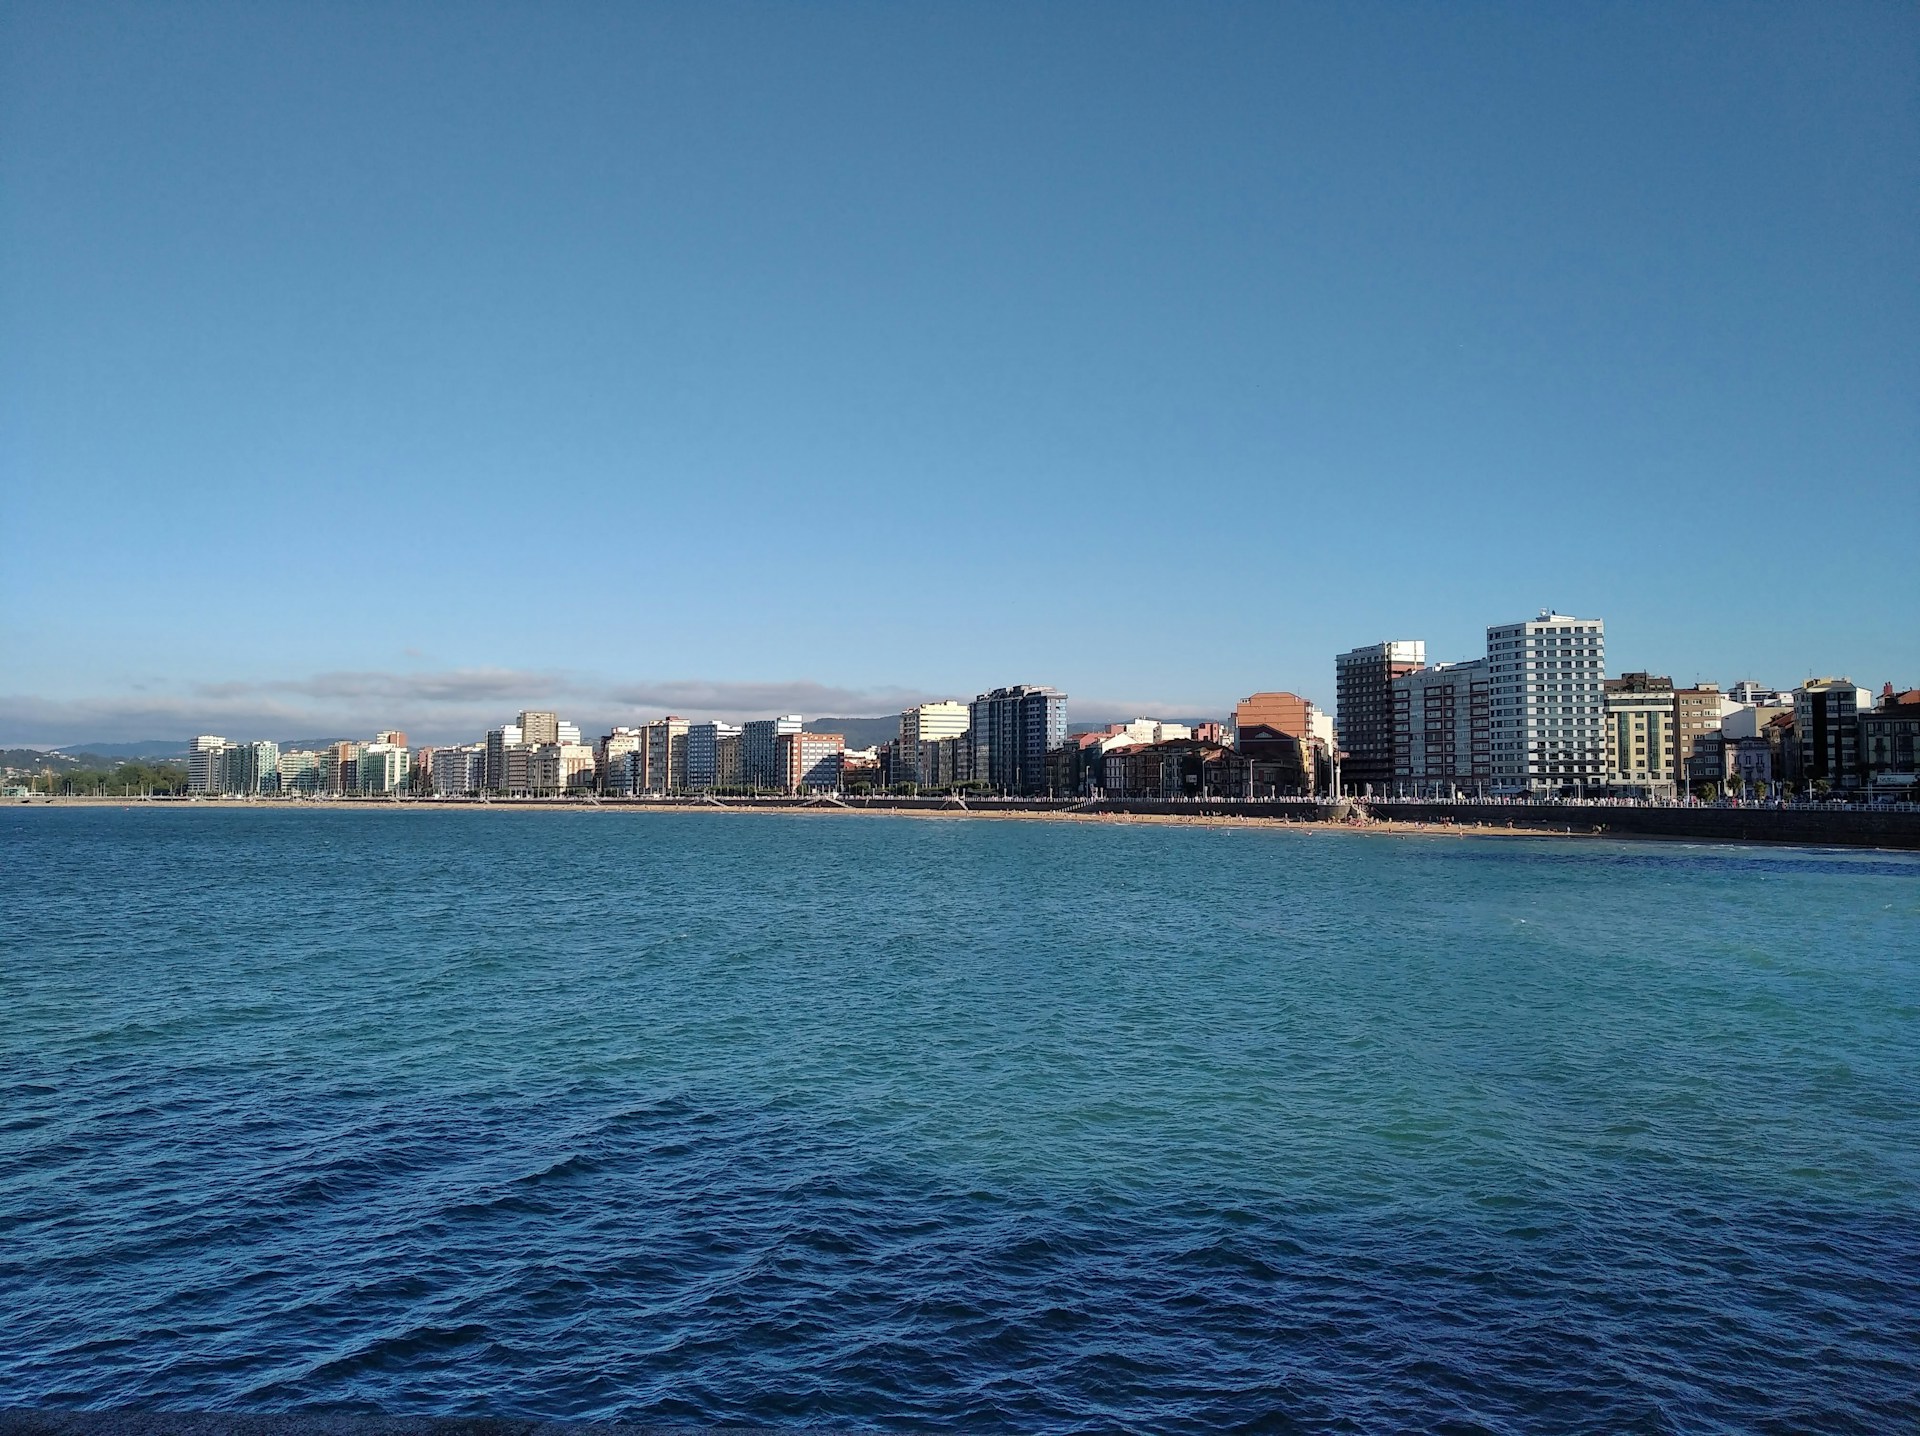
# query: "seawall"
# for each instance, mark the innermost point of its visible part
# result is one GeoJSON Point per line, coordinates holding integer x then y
{"type": "Point", "coordinates": [1806, 827]}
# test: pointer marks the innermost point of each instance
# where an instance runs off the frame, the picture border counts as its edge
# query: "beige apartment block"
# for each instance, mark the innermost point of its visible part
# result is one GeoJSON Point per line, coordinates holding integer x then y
{"type": "Point", "coordinates": [539, 727]}
{"type": "Point", "coordinates": [1696, 724]}
{"type": "Point", "coordinates": [666, 756]}
{"type": "Point", "coordinates": [1640, 733]}
{"type": "Point", "coordinates": [726, 762]}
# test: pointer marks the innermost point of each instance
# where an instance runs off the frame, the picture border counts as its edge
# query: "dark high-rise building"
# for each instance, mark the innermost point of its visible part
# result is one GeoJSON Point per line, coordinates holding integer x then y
{"type": "Point", "coordinates": [762, 757]}
{"type": "Point", "coordinates": [1443, 730]}
{"type": "Point", "coordinates": [1363, 687]}
{"type": "Point", "coordinates": [1013, 730]}
{"type": "Point", "coordinates": [1826, 719]}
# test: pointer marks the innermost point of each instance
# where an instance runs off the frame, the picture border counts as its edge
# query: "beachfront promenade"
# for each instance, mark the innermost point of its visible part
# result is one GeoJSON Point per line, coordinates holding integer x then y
{"type": "Point", "coordinates": [1812, 824]}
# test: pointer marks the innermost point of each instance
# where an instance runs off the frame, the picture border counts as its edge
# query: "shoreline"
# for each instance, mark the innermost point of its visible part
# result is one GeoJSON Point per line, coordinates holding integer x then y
{"type": "Point", "coordinates": [1889, 830]}
{"type": "Point", "coordinates": [1381, 827]}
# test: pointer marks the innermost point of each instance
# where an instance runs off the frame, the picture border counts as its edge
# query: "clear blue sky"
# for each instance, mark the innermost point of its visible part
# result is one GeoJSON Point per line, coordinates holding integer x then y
{"type": "Point", "coordinates": [422, 361]}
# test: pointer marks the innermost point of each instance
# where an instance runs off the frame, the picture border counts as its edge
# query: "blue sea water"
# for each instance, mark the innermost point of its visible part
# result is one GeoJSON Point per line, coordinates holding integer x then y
{"type": "Point", "coordinates": [945, 1124]}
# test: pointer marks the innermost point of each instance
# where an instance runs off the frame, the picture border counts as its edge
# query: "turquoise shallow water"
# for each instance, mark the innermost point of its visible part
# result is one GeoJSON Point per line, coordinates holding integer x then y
{"type": "Point", "coordinates": [921, 1124]}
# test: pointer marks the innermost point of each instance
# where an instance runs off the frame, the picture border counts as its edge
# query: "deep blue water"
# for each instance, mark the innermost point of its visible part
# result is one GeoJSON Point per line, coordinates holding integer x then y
{"type": "Point", "coordinates": [928, 1124]}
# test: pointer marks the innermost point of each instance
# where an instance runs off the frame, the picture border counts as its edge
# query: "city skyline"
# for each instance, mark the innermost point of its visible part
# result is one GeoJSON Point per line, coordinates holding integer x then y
{"type": "Point", "coordinates": [1535, 715]}
{"type": "Point", "coordinates": [899, 353]}
{"type": "Point", "coordinates": [444, 706]}
{"type": "Point", "coordinates": [450, 706]}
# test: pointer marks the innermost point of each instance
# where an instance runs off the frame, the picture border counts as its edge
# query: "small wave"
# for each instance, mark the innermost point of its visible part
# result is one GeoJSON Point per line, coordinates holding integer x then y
{"type": "Point", "coordinates": [561, 1169]}
{"type": "Point", "coordinates": [395, 1350]}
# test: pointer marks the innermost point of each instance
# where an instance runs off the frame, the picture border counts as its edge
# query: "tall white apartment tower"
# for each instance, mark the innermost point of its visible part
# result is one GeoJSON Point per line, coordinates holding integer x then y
{"type": "Point", "coordinates": [926, 724]}
{"type": "Point", "coordinates": [1545, 682]}
{"type": "Point", "coordinates": [206, 764]}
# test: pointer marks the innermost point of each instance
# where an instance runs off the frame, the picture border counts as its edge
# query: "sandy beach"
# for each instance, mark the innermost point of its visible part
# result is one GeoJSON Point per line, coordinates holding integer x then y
{"type": "Point", "coordinates": [1377, 826]}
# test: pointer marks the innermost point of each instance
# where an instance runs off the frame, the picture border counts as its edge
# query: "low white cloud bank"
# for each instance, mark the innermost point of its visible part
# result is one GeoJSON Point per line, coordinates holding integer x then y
{"type": "Point", "coordinates": [453, 705]}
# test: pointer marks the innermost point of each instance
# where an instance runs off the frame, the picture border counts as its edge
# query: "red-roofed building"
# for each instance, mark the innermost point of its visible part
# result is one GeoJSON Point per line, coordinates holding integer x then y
{"type": "Point", "coordinates": [1889, 741]}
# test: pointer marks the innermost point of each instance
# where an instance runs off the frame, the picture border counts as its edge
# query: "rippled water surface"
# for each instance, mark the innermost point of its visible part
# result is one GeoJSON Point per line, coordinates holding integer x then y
{"type": "Point", "coordinates": [928, 1124]}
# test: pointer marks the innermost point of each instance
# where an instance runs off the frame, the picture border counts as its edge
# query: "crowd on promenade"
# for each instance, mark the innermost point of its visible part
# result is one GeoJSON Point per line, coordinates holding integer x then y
{"type": "Point", "coordinates": [1612, 801]}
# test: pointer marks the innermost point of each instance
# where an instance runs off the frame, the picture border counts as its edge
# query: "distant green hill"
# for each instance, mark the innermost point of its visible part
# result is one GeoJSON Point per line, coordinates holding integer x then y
{"type": "Point", "coordinates": [41, 758]}
{"type": "Point", "coordinates": [1100, 727]}
{"type": "Point", "coordinates": [92, 755]}
{"type": "Point", "coordinates": [859, 732]}
{"type": "Point", "coordinates": [96, 775]}
{"type": "Point", "coordinates": [151, 748]}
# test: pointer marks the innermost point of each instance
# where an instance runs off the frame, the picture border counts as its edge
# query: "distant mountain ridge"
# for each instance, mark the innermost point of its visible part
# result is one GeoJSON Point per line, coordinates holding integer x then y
{"type": "Point", "coordinates": [859, 732]}
{"type": "Point", "coordinates": [150, 748]}
{"type": "Point", "coordinates": [1100, 726]}
{"type": "Point", "coordinates": [870, 732]}
{"type": "Point", "coordinates": [36, 759]}
{"type": "Point", "coordinates": [68, 760]}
